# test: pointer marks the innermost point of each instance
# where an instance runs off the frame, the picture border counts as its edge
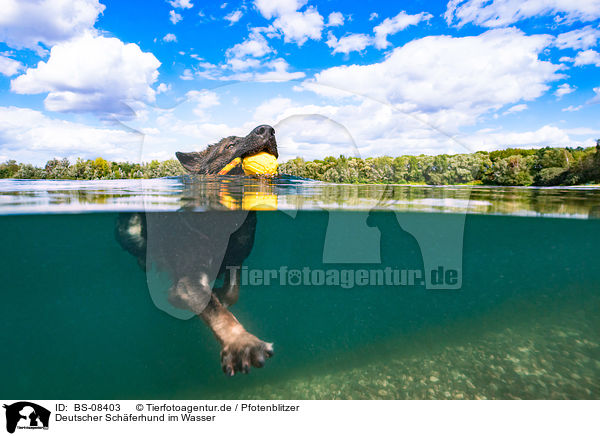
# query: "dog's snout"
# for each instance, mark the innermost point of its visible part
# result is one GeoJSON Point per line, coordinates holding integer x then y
{"type": "Point", "coordinates": [265, 130]}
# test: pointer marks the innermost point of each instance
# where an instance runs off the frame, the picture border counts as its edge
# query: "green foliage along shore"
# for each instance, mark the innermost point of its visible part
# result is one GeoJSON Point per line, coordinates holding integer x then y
{"type": "Point", "coordinates": [510, 167]}
{"type": "Point", "coordinates": [98, 169]}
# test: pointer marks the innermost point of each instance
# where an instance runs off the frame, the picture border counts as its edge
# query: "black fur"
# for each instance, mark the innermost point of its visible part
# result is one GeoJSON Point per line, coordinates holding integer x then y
{"type": "Point", "coordinates": [216, 156]}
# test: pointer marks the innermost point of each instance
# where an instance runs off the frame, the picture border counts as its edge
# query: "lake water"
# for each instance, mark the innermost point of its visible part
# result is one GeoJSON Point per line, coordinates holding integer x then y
{"type": "Point", "coordinates": [504, 300]}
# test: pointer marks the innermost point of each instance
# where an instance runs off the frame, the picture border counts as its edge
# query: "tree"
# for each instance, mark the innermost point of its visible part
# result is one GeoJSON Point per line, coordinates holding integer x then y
{"type": "Point", "coordinates": [101, 168]}
{"type": "Point", "coordinates": [8, 169]}
{"type": "Point", "coordinates": [551, 176]}
{"type": "Point", "coordinates": [57, 169]}
{"type": "Point", "coordinates": [28, 171]}
{"type": "Point", "coordinates": [511, 171]}
{"type": "Point", "coordinates": [545, 167]}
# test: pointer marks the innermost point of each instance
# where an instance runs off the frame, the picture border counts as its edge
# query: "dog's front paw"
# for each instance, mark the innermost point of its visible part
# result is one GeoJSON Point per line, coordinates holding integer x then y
{"type": "Point", "coordinates": [243, 351]}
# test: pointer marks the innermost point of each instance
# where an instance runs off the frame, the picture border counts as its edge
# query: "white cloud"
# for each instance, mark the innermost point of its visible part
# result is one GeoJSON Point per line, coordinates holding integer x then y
{"type": "Point", "coordinates": [373, 16]}
{"type": "Point", "coordinates": [188, 135]}
{"type": "Point", "coordinates": [563, 90]}
{"type": "Point", "coordinates": [572, 108]}
{"type": "Point", "coordinates": [578, 39]}
{"type": "Point", "coordinates": [499, 13]}
{"type": "Point", "coordinates": [448, 80]}
{"type": "Point", "coordinates": [545, 136]}
{"type": "Point", "coordinates": [587, 57]}
{"type": "Point", "coordinates": [9, 67]}
{"type": "Point", "coordinates": [278, 73]}
{"type": "Point", "coordinates": [273, 109]}
{"type": "Point", "coordinates": [316, 131]}
{"type": "Point", "coordinates": [299, 27]}
{"type": "Point", "coordinates": [250, 60]}
{"type": "Point", "coordinates": [203, 100]}
{"type": "Point", "coordinates": [273, 8]}
{"type": "Point", "coordinates": [583, 131]}
{"type": "Point", "coordinates": [389, 26]}
{"type": "Point", "coordinates": [187, 75]}
{"type": "Point", "coordinates": [255, 45]}
{"type": "Point", "coordinates": [30, 136]}
{"type": "Point", "coordinates": [348, 43]}
{"type": "Point", "coordinates": [169, 37]}
{"type": "Point", "coordinates": [237, 64]}
{"type": "Point", "coordinates": [268, 31]}
{"type": "Point", "coordinates": [234, 17]}
{"type": "Point", "coordinates": [92, 74]}
{"type": "Point", "coordinates": [335, 19]}
{"type": "Point", "coordinates": [174, 17]}
{"type": "Point", "coordinates": [351, 127]}
{"type": "Point", "coordinates": [296, 26]}
{"type": "Point", "coordinates": [26, 23]}
{"type": "Point", "coordinates": [516, 108]}
{"type": "Point", "coordinates": [182, 4]}
{"type": "Point", "coordinates": [393, 25]}
{"type": "Point", "coordinates": [369, 128]}
{"type": "Point", "coordinates": [162, 88]}
{"type": "Point", "coordinates": [275, 70]}
{"type": "Point", "coordinates": [596, 98]}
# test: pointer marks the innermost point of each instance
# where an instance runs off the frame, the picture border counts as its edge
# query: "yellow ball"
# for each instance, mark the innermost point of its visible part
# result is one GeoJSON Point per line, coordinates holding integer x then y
{"type": "Point", "coordinates": [260, 164]}
{"type": "Point", "coordinates": [259, 201]}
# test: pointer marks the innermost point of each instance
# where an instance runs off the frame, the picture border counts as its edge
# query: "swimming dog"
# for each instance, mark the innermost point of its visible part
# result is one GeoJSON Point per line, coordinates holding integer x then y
{"type": "Point", "coordinates": [197, 248]}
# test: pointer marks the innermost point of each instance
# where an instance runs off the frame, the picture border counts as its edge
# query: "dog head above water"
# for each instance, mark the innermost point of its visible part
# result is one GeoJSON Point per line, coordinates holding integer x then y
{"type": "Point", "coordinates": [217, 156]}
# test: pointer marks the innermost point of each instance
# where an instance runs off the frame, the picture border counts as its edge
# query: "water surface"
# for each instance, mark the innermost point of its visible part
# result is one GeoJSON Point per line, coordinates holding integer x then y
{"type": "Point", "coordinates": [288, 193]}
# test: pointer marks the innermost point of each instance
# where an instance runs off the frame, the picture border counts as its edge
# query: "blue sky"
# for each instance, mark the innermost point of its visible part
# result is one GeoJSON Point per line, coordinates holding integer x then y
{"type": "Point", "coordinates": [139, 80]}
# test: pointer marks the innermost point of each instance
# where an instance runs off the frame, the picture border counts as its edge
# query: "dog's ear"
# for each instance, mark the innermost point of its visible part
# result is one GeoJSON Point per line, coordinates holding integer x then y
{"type": "Point", "coordinates": [190, 161]}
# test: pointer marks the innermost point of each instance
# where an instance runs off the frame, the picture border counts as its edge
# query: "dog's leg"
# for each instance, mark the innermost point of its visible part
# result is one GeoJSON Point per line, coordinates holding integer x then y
{"type": "Point", "coordinates": [229, 293]}
{"type": "Point", "coordinates": [240, 245]}
{"type": "Point", "coordinates": [239, 349]}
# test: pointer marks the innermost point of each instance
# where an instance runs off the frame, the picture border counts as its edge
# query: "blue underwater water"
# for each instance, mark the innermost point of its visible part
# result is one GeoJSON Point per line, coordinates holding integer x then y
{"type": "Point", "coordinates": [518, 316]}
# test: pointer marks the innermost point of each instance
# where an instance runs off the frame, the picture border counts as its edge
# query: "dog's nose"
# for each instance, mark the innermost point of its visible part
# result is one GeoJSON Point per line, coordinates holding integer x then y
{"type": "Point", "coordinates": [264, 130]}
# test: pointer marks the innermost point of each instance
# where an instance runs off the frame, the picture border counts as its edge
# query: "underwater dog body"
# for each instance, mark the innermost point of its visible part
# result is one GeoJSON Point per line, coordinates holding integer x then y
{"type": "Point", "coordinates": [197, 248]}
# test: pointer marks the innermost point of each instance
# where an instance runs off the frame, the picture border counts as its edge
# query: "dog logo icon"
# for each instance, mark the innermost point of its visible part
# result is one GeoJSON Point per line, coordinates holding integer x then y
{"type": "Point", "coordinates": [26, 415]}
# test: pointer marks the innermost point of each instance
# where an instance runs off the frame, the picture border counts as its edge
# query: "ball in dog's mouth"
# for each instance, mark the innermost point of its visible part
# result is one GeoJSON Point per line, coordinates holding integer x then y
{"type": "Point", "coordinates": [262, 163]}
{"type": "Point", "coordinates": [259, 164]}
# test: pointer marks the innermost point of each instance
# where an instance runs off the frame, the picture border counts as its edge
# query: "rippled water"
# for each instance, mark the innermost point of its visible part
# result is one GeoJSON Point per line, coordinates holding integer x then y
{"type": "Point", "coordinates": [288, 193]}
{"type": "Point", "coordinates": [81, 318]}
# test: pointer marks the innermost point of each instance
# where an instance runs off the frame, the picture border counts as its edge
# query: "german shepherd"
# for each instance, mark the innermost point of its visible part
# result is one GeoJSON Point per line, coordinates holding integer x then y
{"type": "Point", "coordinates": [196, 248]}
